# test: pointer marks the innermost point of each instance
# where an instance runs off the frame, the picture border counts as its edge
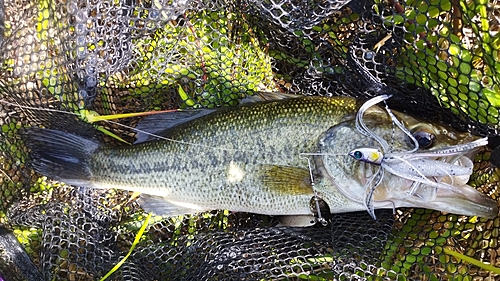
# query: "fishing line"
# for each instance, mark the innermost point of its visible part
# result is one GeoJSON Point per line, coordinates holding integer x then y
{"type": "Point", "coordinates": [40, 109]}
{"type": "Point", "coordinates": [119, 124]}
{"type": "Point", "coordinates": [179, 141]}
{"type": "Point", "coordinates": [322, 154]}
{"type": "Point", "coordinates": [361, 126]}
{"type": "Point", "coordinates": [80, 115]}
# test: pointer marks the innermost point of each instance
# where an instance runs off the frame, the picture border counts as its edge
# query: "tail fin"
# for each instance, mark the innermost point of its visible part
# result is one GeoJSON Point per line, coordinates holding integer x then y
{"type": "Point", "coordinates": [59, 155]}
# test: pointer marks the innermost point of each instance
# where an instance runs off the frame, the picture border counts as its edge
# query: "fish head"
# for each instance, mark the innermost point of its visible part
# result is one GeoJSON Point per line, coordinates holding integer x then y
{"type": "Point", "coordinates": [431, 181]}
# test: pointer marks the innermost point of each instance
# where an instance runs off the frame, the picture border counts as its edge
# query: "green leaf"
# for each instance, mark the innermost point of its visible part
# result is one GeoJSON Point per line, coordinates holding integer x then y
{"type": "Point", "coordinates": [136, 241]}
{"type": "Point", "coordinates": [473, 261]}
{"type": "Point", "coordinates": [493, 97]}
{"type": "Point", "coordinates": [185, 97]}
{"type": "Point", "coordinates": [433, 12]}
{"type": "Point", "coordinates": [454, 50]}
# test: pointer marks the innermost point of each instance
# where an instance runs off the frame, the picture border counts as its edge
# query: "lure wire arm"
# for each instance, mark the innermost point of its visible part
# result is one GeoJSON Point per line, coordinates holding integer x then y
{"type": "Point", "coordinates": [320, 218]}
{"type": "Point", "coordinates": [370, 190]}
{"type": "Point", "coordinates": [361, 126]}
{"type": "Point", "coordinates": [396, 121]}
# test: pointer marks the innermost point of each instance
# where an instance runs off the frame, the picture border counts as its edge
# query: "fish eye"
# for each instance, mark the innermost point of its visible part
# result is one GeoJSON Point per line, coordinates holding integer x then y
{"type": "Point", "coordinates": [424, 138]}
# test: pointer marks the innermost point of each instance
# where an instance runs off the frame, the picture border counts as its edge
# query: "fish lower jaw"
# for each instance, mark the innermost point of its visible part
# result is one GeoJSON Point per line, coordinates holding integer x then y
{"type": "Point", "coordinates": [459, 200]}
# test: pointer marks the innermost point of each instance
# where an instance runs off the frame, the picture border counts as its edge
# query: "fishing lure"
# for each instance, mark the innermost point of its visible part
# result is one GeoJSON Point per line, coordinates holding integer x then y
{"type": "Point", "coordinates": [423, 168]}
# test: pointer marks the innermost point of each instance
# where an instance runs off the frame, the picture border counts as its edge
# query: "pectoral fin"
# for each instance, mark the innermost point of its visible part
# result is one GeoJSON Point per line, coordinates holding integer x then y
{"type": "Point", "coordinates": [162, 207]}
{"type": "Point", "coordinates": [287, 180]}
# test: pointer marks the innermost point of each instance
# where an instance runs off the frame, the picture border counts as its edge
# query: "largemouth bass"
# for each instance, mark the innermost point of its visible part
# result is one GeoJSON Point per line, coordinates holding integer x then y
{"type": "Point", "coordinates": [254, 158]}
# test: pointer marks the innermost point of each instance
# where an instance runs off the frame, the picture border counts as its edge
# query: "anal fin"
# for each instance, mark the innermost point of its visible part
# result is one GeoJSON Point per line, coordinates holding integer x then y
{"type": "Point", "coordinates": [297, 220]}
{"type": "Point", "coordinates": [162, 207]}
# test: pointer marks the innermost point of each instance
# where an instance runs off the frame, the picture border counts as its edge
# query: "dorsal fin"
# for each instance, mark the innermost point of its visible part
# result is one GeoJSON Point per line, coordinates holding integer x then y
{"type": "Point", "coordinates": [267, 96]}
{"type": "Point", "coordinates": [160, 124]}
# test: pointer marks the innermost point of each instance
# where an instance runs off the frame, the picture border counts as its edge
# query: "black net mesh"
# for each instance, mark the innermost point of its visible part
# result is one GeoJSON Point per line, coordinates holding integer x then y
{"type": "Point", "coordinates": [440, 59]}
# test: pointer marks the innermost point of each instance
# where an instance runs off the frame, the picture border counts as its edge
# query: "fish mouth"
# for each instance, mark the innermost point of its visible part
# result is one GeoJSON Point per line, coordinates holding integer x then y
{"type": "Point", "coordinates": [450, 194]}
{"type": "Point", "coordinates": [464, 200]}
